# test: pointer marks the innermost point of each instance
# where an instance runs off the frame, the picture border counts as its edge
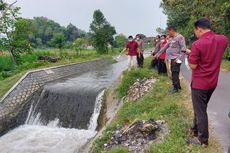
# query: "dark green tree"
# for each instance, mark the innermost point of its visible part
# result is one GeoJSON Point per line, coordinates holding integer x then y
{"type": "Point", "coordinates": [15, 31]}
{"type": "Point", "coordinates": [45, 29]}
{"type": "Point", "coordinates": [19, 39]}
{"type": "Point", "coordinates": [120, 41]}
{"type": "Point", "coordinates": [58, 41]}
{"type": "Point", "coordinates": [101, 32]}
{"type": "Point", "coordinates": [72, 33]}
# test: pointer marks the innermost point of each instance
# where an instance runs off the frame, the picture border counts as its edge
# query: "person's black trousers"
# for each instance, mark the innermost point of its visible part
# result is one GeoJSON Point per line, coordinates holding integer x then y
{"type": "Point", "coordinates": [162, 69]}
{"type": "Point", "coordinates": [200, 99]}
{"type": "Point", "coordinates": [154, 63]}
{"type": "Point", "coordinates": [140, 60]}
{"type": "Point", "coordinates": [175, 69]}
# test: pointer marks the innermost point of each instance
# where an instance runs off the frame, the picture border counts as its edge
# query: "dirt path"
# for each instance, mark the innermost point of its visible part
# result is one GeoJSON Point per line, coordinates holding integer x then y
{"type": "Point", "coordinates": [218, 108]}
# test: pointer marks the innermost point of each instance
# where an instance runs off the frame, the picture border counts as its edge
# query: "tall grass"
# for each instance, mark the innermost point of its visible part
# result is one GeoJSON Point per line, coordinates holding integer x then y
{"type": "Point", "coordinates": [6, 63]}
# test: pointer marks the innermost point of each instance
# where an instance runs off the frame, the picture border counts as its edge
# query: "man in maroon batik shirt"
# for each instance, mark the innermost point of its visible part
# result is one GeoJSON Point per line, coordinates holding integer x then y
{"type": "Point", "coordinates": [133, 51]}
{"type": "Point", "coordinates": [204, 60]}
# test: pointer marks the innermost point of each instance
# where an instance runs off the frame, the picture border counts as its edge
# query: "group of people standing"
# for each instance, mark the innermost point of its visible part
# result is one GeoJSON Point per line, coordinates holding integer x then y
{"type": "Point", "coordinates": [160, 63]}
{"type": "Point", "coordinates": [168, 56]}
{"type": "Point", "coordinates": [204, 59]}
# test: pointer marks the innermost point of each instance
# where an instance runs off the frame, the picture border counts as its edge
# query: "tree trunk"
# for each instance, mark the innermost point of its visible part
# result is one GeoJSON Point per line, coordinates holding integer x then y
{"type": "Point", "coordinates": [13, 57]}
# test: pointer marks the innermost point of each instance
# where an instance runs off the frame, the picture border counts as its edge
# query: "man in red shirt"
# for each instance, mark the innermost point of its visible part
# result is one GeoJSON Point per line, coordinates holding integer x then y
{"type": "Point", "coordinates": [133, 51]}
{"type": "Point", "coordinates": [204, 60]}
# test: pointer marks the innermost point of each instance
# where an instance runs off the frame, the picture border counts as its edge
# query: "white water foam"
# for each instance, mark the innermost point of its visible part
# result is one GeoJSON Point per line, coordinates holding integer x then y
{"type": "Point", "coordinates": [36, 138]}
{"type": "Point", "coordinates": [43, 139]}
{"type": "Point", "coordinates": [97, 108]}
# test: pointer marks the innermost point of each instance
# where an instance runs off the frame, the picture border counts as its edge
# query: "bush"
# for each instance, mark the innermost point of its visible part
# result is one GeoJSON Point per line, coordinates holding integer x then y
{"type": "Point", "coordinates": [5, 74]}
{"type": "Point", "coordinates": [30, 58]}
{"type": "Point", "coordinates": [6, 63]}
{"type": "Point", "coordinates": [64, 54]}
{"type": "Point", "coordinates": [227, 54]}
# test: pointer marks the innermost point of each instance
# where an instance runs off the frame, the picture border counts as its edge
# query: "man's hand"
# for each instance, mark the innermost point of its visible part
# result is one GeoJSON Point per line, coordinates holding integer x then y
{"type": "Point", "coordinates": [139, 54]}
{"type": "Point", "coordinates": [123, 51]}
{"type": "Point", "coordinates": [193, 66]}
{"type": "Point", "coordinates": [155, 57]}
{"type": "Point", "coordinates": [187, 52]}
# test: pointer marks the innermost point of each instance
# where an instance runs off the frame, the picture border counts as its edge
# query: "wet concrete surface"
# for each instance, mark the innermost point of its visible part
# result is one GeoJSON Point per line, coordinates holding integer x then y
{"type": "Point", "coordinates": [218, 109]}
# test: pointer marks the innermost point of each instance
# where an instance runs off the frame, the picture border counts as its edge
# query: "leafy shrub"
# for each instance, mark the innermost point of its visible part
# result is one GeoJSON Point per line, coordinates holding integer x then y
{"type": "Point", "coordinates": [5, 74]}
{"type": "Point", "coordinates": [6, 63]}
{"type": "Point", "coordinates": [227, 54]}
{"type": "Point", "coordinates": [64, 54]}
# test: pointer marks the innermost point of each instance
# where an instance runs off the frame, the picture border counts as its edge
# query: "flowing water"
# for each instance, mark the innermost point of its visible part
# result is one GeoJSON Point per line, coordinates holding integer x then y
{"type": "Point", "coordinates": [64, 117]}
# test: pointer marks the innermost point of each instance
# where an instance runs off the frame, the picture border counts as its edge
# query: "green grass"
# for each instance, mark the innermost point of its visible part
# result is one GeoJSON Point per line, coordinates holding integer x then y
{"type": "Point", "coordinates": [9, 74]}
{"type": "Point", "coordinates": [225, 65]}
{"type": "Point", "coordinates": [158, 105]}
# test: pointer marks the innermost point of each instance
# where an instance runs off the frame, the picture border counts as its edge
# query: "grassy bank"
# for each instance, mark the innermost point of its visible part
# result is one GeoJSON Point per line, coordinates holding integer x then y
{"type": "Point", "coordinates": [9, 74]}
{"type": "Point", "coordinates": [158, 105]}
{"type": "Point", "coordinates": [225, 65]}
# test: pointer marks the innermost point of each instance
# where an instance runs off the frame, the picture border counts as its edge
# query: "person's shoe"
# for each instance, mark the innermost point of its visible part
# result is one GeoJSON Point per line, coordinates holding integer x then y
{"type": "Point", "coordinates": [196, 141]}
{"type": "Point", "coordinates": [193, 141]}
{"type": "Point", "coordinates": [204, 145]}
{"type": "Point", "coordinates": [181, 77]}
{"type": "Point", "coordinates": [173, 91]}
{"type": "Point", "coordinates": [192, 133]}
{"type": "Point", "coordinates": [180, 88]}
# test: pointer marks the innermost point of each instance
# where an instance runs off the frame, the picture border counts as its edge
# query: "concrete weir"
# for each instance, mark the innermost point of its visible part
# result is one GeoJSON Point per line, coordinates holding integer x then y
{"type": "Point", "coordinates": [57, 109]}
{"type": "Point", "coordinates": [12, 103]}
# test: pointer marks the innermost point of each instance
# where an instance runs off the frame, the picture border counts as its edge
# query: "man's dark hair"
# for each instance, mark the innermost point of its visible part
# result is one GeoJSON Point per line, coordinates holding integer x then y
{"type": "Point", "coordinates": [130, 37]}
{"type": "Point", "coordinates": [164, 36]}
{"type": "Point", "coordinates": [170, 28]}
{"type": "Point", "coordinates": [203, 23]}
{"type": "Point", "coordinates": [138, 35]}
{"type": "Point", "coordinates": [158, 36]}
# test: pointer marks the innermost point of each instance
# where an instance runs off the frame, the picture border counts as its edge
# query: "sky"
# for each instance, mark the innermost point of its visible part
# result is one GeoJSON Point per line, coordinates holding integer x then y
{"type": "Point", "coordinates": [128, 16]}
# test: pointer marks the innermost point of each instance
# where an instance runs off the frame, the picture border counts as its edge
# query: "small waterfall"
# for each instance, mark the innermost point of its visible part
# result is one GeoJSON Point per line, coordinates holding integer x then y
{"type": "Point", "coordinates": [34, 116]}
{"type": "Point", "coordinates": [73, 109]}
{"type": "Point", "coordinates": [35, 137]}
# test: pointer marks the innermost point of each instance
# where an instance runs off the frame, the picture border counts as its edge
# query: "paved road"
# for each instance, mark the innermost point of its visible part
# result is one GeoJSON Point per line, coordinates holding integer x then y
{"type": "Point", "coordinates": [218, 108]}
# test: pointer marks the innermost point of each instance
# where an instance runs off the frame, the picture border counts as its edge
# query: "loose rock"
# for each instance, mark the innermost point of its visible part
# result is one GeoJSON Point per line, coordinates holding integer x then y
{"type": "Point", "coordinates": [140, 88]}
{"type": "Point", "coordinates": [48, 58]}
{"type": "Point", "coordinates": [135, 135]}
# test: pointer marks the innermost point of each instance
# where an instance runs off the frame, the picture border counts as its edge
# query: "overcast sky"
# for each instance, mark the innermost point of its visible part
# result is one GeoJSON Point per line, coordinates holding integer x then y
{"type": "Point", "coordinates": [128, 16]}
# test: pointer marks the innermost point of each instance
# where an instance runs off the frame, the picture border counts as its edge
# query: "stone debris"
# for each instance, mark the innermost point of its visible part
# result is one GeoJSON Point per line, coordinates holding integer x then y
{"type": "Point", "coordinates": [135, 136]}
{"type": "Point", "coordinates": [140, 88]}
